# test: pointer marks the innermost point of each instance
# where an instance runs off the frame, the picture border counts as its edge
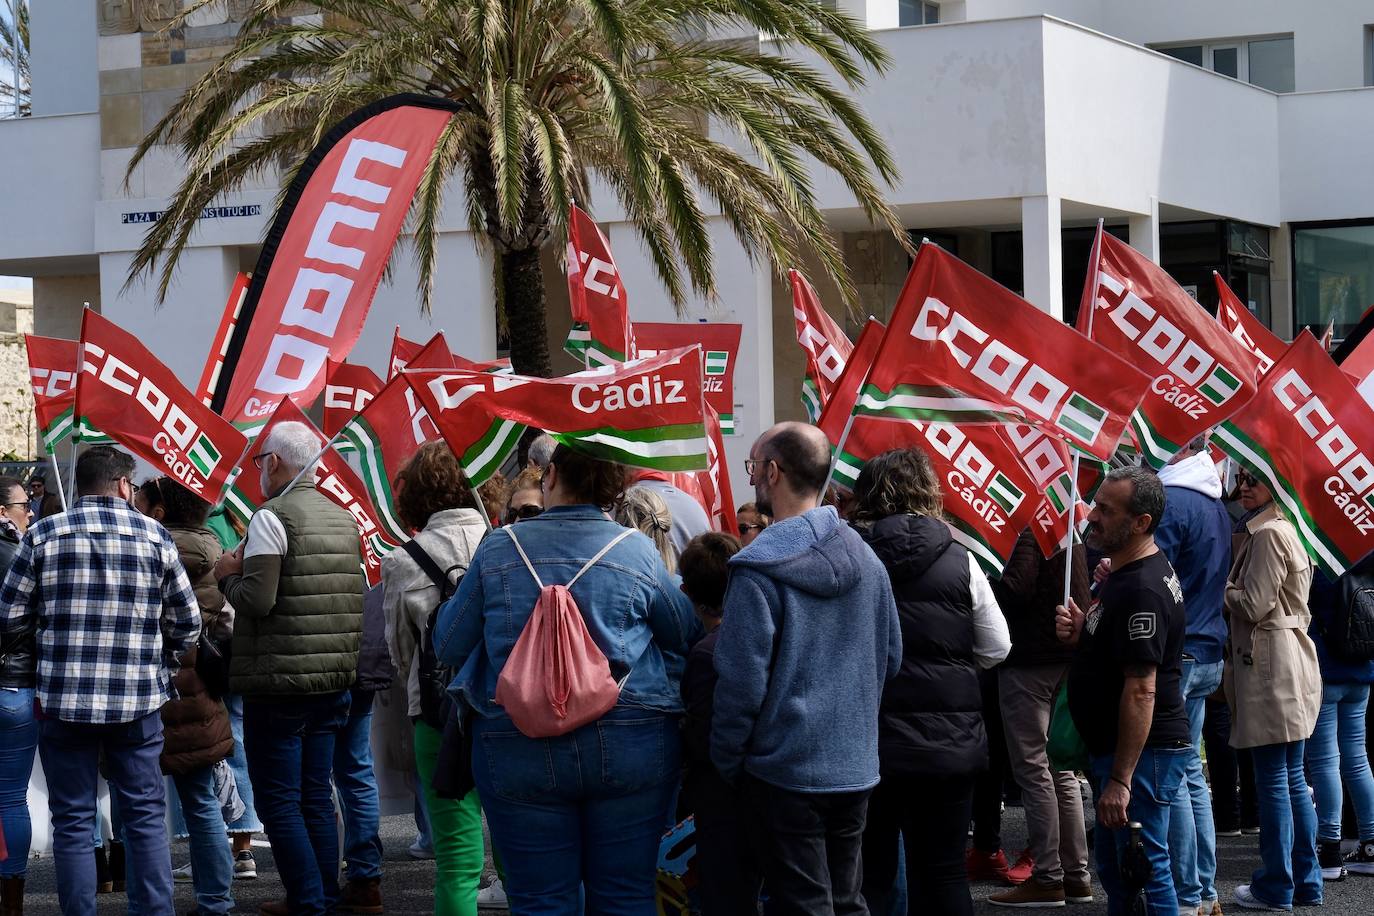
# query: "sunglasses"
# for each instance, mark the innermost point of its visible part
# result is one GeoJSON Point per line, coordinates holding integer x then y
{"type": "Point", "coordinates": [521, 513]}
{"type": "Point", "coordinates": [754, 527]}
{"type": "Point", "coordinates": [1246, 480]}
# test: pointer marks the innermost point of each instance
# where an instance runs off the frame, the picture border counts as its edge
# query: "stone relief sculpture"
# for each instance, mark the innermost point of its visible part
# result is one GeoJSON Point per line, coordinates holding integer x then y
{"type": "Point", "coordinates": [117, 17]}
{"type": "Point", "coordinates": [154, 14]}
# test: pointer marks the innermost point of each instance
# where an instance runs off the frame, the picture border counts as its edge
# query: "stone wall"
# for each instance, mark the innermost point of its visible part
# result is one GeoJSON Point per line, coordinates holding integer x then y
{"type": "Point", "coordinates": [16, 398]}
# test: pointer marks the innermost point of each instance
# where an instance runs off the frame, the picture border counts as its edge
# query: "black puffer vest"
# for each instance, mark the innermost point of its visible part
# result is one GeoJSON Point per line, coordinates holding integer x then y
{"type": "Point", "coordinates": [931, 719]}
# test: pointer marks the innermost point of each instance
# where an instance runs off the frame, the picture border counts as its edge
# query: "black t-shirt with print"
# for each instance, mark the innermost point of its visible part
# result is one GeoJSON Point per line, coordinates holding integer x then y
{"type": "Point", "coordinates": [1138, 617]}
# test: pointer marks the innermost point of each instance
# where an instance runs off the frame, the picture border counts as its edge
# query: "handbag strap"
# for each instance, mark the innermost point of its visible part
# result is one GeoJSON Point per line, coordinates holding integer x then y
{"type": "Point", "coordinates": [510, 530]}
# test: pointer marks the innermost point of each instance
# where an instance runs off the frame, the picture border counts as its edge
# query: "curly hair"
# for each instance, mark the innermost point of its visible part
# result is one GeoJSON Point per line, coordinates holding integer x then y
{"type": "Point", "coordinates": [179, 505]}
{"type": "Point", "coordinates": [899, 482]}
{"type": "Point", "coordinates": [644, 509]}
{"type": "Point", "coordinates": [590, 480]}
{"type": "Point", "coordinates": [431, 481]}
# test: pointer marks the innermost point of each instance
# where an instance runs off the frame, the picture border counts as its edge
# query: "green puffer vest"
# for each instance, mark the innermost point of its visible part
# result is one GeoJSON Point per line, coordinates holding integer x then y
{"type": "Point", "coordinates": [309, 643]}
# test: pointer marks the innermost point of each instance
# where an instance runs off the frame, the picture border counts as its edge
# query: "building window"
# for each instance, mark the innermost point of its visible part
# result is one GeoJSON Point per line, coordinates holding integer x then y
{"type": "Point", "coordinates": [1333, 274]}
{"type": "Point", "coordinates": [916, 12]}
{"type": "Point", "coordinates": [1264, 62]}
{"type": "Point", "coordinates": [1369, 55]}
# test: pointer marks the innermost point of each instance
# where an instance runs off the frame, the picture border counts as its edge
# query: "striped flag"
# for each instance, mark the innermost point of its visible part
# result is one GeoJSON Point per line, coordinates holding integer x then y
{"type": "Point", "coordinates": [1310, 437]}
{"type": "Point", "coordinates": [963, 349]}
{"type": "Point", "coordinates": [1241, 324]}
{"type": "Point", "coordinates": [53, 367]}
{"type": "Point", "coordinates": [826, 347]}
{"type": "Point", "coordinates": [348, 388]}
{"type": "Point", "coordinates": [720, 346]}
{"type": "Point", "coordinates": [1200, 374]}
{"type": "Point", "coordinates": [219, 346]}
{"type": "Point", "coordinates": [601, 334]}
{"type": "Point", "coordinates": [647, 413]}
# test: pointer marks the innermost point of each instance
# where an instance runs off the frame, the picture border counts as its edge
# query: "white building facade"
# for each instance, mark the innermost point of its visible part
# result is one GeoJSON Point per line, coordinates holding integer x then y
{"type": "Point", "coordinates": [1230, 135]}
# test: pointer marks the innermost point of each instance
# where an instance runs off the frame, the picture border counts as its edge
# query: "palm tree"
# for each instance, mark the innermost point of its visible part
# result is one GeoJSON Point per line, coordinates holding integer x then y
{"type": "Point", "coordinates": [554, 93]}
{"type": "Point", "coordinates": [14, 46]}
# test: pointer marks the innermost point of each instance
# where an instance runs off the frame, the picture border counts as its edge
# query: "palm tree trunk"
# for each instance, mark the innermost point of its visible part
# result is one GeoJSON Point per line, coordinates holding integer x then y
{"type": "Point", "coordinates": [522, 279]}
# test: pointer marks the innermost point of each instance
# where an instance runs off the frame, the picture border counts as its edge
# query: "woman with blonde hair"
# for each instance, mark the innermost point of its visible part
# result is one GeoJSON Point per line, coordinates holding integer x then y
{"type": "Point", "coordinates": [644, 509]}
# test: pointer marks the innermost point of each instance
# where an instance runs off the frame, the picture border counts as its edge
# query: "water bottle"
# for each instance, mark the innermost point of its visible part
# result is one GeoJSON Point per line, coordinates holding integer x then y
{"type": "Point", "coordinates": [1135, 871]}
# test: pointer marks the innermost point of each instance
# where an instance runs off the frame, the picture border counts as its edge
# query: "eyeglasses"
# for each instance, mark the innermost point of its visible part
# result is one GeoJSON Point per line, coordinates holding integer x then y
{"type": "Point", "coordinates": [258, 460]}
{"type": "Point", "coordinates": [753, 465]}
{"type": "Point", "coordinates": [754, 527]}
{"type": "Point", "coordinates": [24, 504]}
{"type": "Point", "coordinates": [520, 513]}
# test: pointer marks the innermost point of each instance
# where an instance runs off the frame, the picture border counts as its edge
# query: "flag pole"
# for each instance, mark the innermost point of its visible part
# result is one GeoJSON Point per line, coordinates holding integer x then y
{"type": "Point", "coordinates": [481, 506]}
{"type": "Point", "coordinates": [835, 458]}
{"type": "Point", "coordinates": [57, 479]}
{"type": "Point", "coordinates": [71, 465]}
{"type": "Point", "coordinates": [1077, 456]}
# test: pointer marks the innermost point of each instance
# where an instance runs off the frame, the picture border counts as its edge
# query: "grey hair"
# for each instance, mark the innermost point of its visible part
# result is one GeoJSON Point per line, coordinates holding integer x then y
{"type": "Point", "coordinates": [294, 444]}
{"type": "Point", "coordinates": [1147, 493]}
{"type": "Point", "coordinates": [541, 451]}
{"type": "Point", "coordinates": [644, 509]}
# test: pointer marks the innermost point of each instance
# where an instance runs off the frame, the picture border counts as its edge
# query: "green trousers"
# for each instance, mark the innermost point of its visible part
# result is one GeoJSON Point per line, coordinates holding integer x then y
{"type": "Point", "coordinates": [455, 827]}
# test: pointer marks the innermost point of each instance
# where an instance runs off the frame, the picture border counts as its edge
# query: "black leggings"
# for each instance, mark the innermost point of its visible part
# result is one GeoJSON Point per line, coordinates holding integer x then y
{"type": "Point", "coordinates": [932, 815]}
{"type": "Point", "coordinates": [1228, 770]}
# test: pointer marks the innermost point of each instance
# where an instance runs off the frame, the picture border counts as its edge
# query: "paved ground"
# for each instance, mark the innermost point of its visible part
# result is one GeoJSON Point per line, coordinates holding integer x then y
{"type": "Point", "coordinates": [407, 887]}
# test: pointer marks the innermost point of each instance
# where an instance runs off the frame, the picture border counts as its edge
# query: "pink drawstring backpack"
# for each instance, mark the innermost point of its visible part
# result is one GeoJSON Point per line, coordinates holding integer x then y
{"type": "Point", "coordinates": [556, 678]}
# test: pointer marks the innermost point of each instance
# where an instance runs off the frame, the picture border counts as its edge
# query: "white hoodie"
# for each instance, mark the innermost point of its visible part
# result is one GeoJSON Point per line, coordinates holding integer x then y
{"type": "Point", "coordinates": [1197, 472]}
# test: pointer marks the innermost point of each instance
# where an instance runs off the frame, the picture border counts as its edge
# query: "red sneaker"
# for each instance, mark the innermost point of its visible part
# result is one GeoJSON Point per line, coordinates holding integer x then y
{"type": "Point", "coordinates": [1021, 871]}
{"type": "Point", "coordinates": [986, 866]}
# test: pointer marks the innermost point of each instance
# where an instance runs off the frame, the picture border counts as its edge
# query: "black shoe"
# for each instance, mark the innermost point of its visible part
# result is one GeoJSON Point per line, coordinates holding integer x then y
{"type": "Point", "coordinates": [103, 884]}
{"type": "Point", "coordinates": [1329, 858]}
{"type": "Point", "coordinates": [1361, 861]}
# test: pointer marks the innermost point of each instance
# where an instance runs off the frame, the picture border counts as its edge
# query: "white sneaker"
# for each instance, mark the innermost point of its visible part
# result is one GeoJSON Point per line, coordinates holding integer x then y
{"type": "Point", "coordinates": [1248, 901]}
{"type": "Point", "coordinates": [182, 875]}
{"type": "Point", "coordinates": [420, 849]}
{"type": "Point", "coordinates": [492, 897]}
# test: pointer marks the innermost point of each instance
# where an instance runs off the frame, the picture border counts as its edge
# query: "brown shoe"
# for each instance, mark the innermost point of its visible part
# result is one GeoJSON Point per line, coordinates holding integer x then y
{"type": "Point", "coordinates": [1078, 891]}
{"type": "Point", "coordinates": [274, 908]}
{"type": "Point", "coordinates": [1031, 894]}
{"type": "Point", "coordinates": [363, 896]}
{"type": "Point", "coordinates": [1213, 910]}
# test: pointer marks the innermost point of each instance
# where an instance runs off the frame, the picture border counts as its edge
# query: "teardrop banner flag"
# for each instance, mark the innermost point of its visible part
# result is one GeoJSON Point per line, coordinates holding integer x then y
{"type": "Point", "coordinates": [719, 348]}
{"type": "Point", "coordinates": [333, 477]}
{"type": "Point", "coordinates": [826, 346]}
{"type": "Point", "coordinates": [348, 388]}
{"type": "Point", "coordinates": [1248, 330]}
{"type": "Point", "coordinates": [324, 255]}
{"type": "Point", "coordinates": [53, 367]}
{"type": "Point", "coordinates": [219, 345]}
{"type": "Point", "coordinates": [647, 413]}
{"type": "Point", "coordinates": [126, 393]}
{"type": "Point", "coordinates": [988, 495]}
{"type": "Point", "coordinates": [1200, 375]}
{"type": "Point", "coordinates": [601, 333]}
{"type": "Point", "coordinates": [1310, 437]}
{"type": "Point", "coordinates": [388, 431]}
{"type": "Point", "coordinates": [961, 348]}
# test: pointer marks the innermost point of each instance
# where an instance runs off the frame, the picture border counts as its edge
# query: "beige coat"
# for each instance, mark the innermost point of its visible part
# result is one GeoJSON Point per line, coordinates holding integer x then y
{"type": "Point", "coordinates": [1273, 683]}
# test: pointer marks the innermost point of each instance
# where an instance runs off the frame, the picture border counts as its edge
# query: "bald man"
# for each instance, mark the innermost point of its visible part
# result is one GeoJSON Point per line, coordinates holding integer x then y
{"type": "Point", "coordinates": [810, 634]}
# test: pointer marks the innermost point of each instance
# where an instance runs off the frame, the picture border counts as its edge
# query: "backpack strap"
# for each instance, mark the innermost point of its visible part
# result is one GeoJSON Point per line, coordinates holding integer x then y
{"type": "Point", "coordinates": [429, 567]}
{"type": "Point", "coordinates": [510, 530]}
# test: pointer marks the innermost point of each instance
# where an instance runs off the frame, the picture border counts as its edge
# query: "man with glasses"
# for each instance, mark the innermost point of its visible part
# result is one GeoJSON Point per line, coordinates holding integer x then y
{"type": "Point", "coordinates": [41, 502]}
{"type": "Point", "coordinates": [117, 612]}
{"type": "Point", "coordinates": [806, 596]}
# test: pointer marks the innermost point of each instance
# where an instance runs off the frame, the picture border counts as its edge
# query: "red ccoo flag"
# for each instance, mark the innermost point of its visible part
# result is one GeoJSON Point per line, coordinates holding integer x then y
{"type": "Point", "coordinates": [601, 333]}
{"type": "Point", "coordinates": [825, 344]}
{"type": "Point", "coordinates": [348, 388]}
{"type": "Point", "coordinates": [1261, 342]}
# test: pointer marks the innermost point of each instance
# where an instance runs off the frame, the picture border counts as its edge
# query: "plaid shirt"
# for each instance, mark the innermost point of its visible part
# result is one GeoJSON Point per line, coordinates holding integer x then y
{"type": "Point", "coordinates": [114, 608]}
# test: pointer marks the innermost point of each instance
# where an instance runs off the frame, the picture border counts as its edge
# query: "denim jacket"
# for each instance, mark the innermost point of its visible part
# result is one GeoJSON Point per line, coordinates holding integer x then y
{"type": "Point", "coordinates": [633, 608]}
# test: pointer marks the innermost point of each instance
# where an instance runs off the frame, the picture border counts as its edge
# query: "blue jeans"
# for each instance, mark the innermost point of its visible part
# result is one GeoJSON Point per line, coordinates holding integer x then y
{"type": "Point", "coordinates": [1192, 834]}
{"type": "Point", "coordinates": [1288, 871]}
{"type": "Point", "coordinates": [357, 788]}
{"type": "Point", "coordinates": [1337, 751]}
{"type": "Point", "coordinates": [581, 813]}
{"type": "Point", "coordinates": [212, 865]}
{"type": "Point", "coordinates": [18, 741]}
{"type": "Point", "coordinates": [1154, 785]}
{"type": "Point", "coordinates": [70, 753]}
{"type": "Point", "coordinates": [290, 748]}
{"type": "Point", "coordinates": [249, 823]}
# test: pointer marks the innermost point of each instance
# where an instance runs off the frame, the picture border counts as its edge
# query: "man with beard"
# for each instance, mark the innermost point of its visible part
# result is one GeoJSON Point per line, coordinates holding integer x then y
{"type": "Point", "coordinates": [1124, 683]}
{"type": "Point", "coordinates": [297, 594]}
{"type": "Point", "coordinates": [809, 636]}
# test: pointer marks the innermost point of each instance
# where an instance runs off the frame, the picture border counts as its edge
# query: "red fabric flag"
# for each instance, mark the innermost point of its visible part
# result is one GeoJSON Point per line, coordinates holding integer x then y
{"type": "Point", "coordinates": [1201, 374]}
{"type": "Point", "coordinates": [1048, 462]}
{"type": "Point", "coordinates": [963, 349]}
{"type": "Point", "coordinates": [601, 333]}
{"type": "Point", "coordinates": [711, 487]}
{"type": "Point", "coordinates": [1238, 321]}
{"type": "Point", "coordinates": [404, 351]}
{"type": "Point", "coordinates": [219, 345]}
{"type": "Point", "coordinates": [1310, 438]}
{"type": "Point", "coordinates": [324, 255]}
{"type": "Point", "coordinates": [719, 347]}
{"type": "Point", "coordinates": [824, 342]}
{"type": "Point", "coordinates": [127, 394]}
{"type": "Point", "coordinates": [348, 388]}
{"type": "Point", "coordinates": [53, 367]}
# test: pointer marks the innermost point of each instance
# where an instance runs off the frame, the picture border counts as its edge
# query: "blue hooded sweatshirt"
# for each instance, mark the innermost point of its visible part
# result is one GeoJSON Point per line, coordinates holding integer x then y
{"type": "Point", "coordinates": [1195, 534]}
{"type": "Point", "coordinates": [809, 636]}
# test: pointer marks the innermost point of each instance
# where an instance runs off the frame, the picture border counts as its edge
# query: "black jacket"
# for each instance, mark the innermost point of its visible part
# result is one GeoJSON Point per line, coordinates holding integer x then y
{"type": "Point", "coordinates": [18, 661]}
{"type": "Point", "coordinates": [1028, 592]}
{"type": "Point", "coordinates": [931, 719]}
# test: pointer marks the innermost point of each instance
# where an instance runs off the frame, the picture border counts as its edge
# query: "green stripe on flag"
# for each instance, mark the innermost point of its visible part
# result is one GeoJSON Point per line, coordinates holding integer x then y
{"type": "Point", "coordinates": [1154, 448]}
{"type": "Point", "coordinates": [727, 424]}
{"type": "Point", "coordinates": [1005, 493]}
{"type": "Point", "coordinates": [716, 362]}
{"type": "Point", "coordinates": [487, 454]}
{"type": "Point", "coordinates": [582, 346]}
{"type": "Point", "coordinates": [974, 543]}
{"type": "Point", "coordinates": [60, 428]}
{"type": "Point", "coordinates": [680, 447]}
{"type": "Point", "coordinates": [811, 399]}
{"type": "Point", "coordinates": [1082, 418]}
{"type": "Point", "coordinates": [932, 403]}
{"type": "Point", "coordinates": [375, 475]}
{"type": "Point", "coordinates": [1219, 386]}
{"type": "Point", "coordinates": [204, 455]}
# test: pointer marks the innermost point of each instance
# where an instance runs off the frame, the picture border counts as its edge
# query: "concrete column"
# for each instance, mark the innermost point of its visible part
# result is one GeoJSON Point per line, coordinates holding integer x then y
{"type": "Point", "coordinates": [1144, 231]}
{"type": "Point", "coordinates": [1042, 263]}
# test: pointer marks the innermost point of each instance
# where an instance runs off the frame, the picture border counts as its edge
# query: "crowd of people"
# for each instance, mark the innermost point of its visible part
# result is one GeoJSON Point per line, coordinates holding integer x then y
{"type": "Point", "coordinates": [833, 697]}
